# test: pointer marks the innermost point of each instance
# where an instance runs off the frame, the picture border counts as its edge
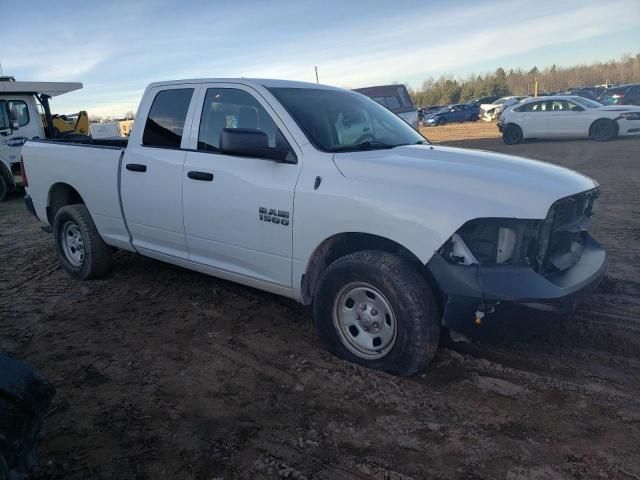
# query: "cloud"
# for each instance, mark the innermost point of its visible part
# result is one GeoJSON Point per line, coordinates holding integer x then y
{"type": "Point", "coordinates": [117, 52]}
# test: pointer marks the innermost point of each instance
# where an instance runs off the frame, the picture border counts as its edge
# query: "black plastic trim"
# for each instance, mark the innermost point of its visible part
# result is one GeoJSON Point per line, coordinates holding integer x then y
{"type": "Point", "coordinates": [521, 284]}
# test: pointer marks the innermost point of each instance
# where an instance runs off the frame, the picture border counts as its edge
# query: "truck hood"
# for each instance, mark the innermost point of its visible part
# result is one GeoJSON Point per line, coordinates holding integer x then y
{"type": "Point", "coordinates": [483, 183]}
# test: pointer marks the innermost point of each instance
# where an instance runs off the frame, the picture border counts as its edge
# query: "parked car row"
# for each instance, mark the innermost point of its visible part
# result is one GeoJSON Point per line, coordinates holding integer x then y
{"type": "Point", "coordinates": [567, 116]}
{"type": "Point", "coordinates": [489, 108]}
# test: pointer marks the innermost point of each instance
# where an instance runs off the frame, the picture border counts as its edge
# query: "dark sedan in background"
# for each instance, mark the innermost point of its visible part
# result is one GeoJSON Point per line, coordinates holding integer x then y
{"type": "Point", "coordinates": [453, 113]}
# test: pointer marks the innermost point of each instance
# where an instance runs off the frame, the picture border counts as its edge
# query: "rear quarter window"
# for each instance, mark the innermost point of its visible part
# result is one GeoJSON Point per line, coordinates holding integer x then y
{"type": "Point", "coordinates": [165, 122]}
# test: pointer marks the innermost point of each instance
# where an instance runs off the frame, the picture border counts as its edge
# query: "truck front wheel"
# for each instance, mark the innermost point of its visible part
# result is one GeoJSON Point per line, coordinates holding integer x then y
{"type": "Point", "coordinates": [80, 247]}
{"type": "Point", "coordinates": [375, 309]}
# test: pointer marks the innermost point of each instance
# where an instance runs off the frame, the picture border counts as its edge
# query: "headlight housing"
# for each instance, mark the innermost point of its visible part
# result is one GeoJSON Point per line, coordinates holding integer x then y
{"type": "Point", "coordinates": [494, 241]}
{"type": "Point", "coordinates": [630, 115]}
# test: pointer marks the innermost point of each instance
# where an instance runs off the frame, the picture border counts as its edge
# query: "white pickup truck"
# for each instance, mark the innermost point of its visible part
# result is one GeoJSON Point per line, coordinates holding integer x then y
{"type": "Point", "coordinates": [272, 184]}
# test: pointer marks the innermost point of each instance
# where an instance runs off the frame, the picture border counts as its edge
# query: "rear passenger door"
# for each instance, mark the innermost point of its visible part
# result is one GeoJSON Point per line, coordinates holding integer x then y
{"type": "Point", "coordinates": [151, 176]}
{"type": "Point", "coordinates": [238, 210]}
{"type": "Point", "coordinates": [533, 119]}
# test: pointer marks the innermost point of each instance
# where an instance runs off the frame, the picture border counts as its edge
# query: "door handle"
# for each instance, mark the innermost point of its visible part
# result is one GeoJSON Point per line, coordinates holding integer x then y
{"type": "Point", "coordinates": [204, 176]}
{"type": "Point", "coordinates": [136, 167]}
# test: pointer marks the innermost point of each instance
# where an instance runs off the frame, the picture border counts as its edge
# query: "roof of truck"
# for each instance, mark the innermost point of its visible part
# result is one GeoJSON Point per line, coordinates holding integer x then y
{"type": "Point", "coordinates": [51, 89]}
{"type": "Point", "coordinates": [265, 82]}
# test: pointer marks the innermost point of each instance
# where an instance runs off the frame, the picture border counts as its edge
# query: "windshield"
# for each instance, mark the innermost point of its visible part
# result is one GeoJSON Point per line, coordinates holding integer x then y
{"type": "Point", "coordinates": [585, 102]}
{"type": "Point", "coordinates": [500, 101]}
{"type": "Point", "coordinates": [336, 120]}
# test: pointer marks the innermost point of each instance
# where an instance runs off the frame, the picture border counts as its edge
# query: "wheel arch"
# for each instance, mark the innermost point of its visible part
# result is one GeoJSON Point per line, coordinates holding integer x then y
{"type": "Point", "coordinates": [345, 243]}
{"type": "Point", "coordinates": [60, 195]}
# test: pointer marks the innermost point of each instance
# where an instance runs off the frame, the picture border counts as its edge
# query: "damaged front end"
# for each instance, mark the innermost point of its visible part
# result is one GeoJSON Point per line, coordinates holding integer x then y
{"type": "Point", "coordinates": [544, 264]}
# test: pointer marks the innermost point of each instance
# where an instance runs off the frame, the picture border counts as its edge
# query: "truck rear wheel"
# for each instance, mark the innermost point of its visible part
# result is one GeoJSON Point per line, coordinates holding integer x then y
{"type": "Point", "coordinates": [373, 308]}
{"type": "Point", "coordinates": [81, 250]}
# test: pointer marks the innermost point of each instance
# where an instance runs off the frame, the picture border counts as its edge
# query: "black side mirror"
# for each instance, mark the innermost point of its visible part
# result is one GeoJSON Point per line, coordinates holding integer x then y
{"type": "Point", "coordinates": [249, 142]}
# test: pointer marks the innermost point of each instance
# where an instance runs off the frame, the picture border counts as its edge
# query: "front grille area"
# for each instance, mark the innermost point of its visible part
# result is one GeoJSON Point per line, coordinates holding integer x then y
{"type": "Point", "coordinates": [568, 221]}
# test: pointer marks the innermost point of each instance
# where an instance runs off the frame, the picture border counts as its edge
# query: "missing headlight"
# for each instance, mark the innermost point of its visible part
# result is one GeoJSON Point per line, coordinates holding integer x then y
{"type": "Point", "coordinates": [494, 241]}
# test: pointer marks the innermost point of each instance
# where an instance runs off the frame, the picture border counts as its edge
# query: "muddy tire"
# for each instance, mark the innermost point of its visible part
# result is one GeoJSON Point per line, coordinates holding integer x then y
{"type": "Point", "coordinates": [603, 130]}
{"type": "Point", "coordinates": [4, 188]}
{"type": "Point", "coordinates": [82, 252]}
{"type": "Point", "coordinates": [373, 308]}
{"type": "Point", "coordinates": [512, 134]}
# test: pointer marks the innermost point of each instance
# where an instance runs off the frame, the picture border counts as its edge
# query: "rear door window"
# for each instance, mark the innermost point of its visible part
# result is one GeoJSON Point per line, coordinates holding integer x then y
{"type": "Point", "coordinates": [404, 96]}
{"type": "Point", "coordinates": [532, 107]}
{"type": "Point", "coordinates": [392, 103]}
{"type": "Point", "coordinates": [165, 122]}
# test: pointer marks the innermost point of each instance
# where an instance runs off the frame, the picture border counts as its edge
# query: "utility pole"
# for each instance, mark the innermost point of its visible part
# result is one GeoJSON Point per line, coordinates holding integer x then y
{"type": "Point", "coordinates": [316, 67]}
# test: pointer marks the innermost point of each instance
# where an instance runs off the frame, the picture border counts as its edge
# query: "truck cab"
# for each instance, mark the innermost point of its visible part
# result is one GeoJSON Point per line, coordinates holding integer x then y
{"type": "Point", "coordinates": [20, 120]}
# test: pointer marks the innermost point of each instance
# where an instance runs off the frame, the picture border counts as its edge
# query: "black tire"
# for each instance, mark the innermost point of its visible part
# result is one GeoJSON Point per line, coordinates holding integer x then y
{"type": "Point", "coordinates": [441, 121]}
{"type": "Point", "coordinates": [96, 259]}
{"type": "Point", "coordinates": [603, 130]}
{"type": "Point", "coordinates": [512, 134]}
{"type": "Point", "coordinates": [4, 188]}
{"type": "Point", "coordinates": [473, 118]}
{"type": "Point", "coordinates": [417, 322]}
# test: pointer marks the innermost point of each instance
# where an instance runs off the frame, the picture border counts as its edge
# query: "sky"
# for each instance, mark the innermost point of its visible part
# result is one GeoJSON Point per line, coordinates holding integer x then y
{"type": "Point", "coordinates": [116, 48]}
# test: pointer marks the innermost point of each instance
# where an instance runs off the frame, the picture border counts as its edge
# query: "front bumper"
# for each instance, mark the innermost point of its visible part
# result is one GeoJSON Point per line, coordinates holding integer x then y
{"type": "Point", "coordinates": [466, 286]}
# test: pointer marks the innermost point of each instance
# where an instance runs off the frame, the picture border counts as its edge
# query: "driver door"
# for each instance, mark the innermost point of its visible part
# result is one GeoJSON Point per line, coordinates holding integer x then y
{"type": "Point", "coordinates": [238, 211]}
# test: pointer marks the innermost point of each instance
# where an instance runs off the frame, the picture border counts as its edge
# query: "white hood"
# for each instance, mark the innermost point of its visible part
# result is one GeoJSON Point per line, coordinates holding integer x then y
{"type": "Point", "coordinates": [481, 183]}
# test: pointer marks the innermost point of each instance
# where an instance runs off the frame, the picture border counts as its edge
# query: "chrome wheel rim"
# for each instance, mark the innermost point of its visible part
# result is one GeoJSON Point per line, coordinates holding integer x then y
{"type": "Point", "coordinates": [364, 320]}
{"type": "Point", "coordinates": [72, 243]}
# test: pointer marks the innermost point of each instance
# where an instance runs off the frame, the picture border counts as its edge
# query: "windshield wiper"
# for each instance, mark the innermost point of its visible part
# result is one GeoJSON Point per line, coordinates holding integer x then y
{"type": "Point", "coordinates": [368, 145]}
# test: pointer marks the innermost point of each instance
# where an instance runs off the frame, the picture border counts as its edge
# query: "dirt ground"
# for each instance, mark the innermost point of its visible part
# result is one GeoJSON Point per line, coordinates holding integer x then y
{"type": "Point", "coordinates": [166, 373]}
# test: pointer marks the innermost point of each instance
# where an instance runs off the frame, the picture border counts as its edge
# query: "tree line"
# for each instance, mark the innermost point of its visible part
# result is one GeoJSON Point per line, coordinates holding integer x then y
{"type": "Point", "coordinates": [447, 89]}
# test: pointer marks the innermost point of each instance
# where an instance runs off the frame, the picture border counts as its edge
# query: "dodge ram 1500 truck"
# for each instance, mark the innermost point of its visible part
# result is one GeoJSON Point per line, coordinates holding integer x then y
{"type": "Point", "coordinates": [274, 185]}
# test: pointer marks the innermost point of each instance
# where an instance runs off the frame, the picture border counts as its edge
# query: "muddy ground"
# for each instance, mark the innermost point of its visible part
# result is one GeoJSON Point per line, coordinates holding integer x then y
{"type": "Point", "coordinates": [166, 373]}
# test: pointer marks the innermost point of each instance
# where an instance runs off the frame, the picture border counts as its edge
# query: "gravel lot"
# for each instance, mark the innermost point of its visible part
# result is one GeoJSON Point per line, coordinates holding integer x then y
{"type": "Point", "coordinates": [166, 373]}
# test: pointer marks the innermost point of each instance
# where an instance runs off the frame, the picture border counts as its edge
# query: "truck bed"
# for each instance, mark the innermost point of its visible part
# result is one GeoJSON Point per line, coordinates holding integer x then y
{"type": "Point", "coordinates": [89, 166]}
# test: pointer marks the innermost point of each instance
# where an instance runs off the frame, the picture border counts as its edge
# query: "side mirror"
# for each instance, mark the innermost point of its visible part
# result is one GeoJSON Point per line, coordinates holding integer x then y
{"type": "Point", "coordinates": [249, 142]}
{"type": "Point", "coordinates": [15, 125]}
